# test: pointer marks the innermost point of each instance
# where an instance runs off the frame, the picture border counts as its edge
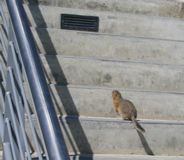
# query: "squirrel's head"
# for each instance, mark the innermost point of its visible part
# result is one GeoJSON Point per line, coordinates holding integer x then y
{"type": "Point", "coordinates": [116, 94]}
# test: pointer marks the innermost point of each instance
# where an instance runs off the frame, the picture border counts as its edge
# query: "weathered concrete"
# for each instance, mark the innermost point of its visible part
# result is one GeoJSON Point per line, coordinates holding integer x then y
{"type": "Point", "coordinates": [92, 72]}
{"type": "Point", "coordinates": [110, 136]}
{"type": "Point", "coordinates": [83, 44]}
{"type": "Point", "coordinates": [167, 8]}
{"type": "Point", "coordinates": [97, 102]}
{"type": "Point", "coordinates": [114, 23]}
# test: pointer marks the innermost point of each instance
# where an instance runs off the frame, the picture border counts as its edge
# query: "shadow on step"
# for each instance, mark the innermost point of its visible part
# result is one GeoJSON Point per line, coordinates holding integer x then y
{"type": "Point", "coordinates": [81, 143]}
{"type": "Point", "coordinates": [145, 144]}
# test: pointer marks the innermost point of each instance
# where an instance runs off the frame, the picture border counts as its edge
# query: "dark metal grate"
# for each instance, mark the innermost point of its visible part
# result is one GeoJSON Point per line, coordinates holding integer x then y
{"type": "Point", "coordinates": [79, 22]}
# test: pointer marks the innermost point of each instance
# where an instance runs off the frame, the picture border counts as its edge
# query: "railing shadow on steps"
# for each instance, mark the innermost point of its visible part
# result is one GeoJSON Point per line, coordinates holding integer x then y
{"type": "Point", "coordinates": [81, 148]}
{"type": "Point", "coordinates": [21, 73]}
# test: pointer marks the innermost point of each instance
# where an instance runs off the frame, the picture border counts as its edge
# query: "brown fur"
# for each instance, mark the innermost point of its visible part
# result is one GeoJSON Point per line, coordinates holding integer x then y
{"type": "Point", "coordinates": [126, 108]}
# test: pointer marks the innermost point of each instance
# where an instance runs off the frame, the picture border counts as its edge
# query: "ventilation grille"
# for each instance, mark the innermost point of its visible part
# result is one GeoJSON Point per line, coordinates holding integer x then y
{"type": "Point", "coordinates": [78, 22]}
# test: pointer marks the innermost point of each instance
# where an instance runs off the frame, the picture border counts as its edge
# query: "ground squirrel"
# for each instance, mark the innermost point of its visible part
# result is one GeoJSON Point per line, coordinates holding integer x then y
{"type": "Point", "coordinates": [126, 108]}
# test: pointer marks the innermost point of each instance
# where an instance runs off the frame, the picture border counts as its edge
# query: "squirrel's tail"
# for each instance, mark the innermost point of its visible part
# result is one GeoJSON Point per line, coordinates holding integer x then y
{"type": "Point", "coordinates": [137, 125]}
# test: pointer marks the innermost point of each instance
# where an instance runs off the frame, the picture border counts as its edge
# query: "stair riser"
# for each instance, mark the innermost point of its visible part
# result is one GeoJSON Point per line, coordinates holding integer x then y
{"type": "Point", "coordinates": [113, 23]}
{"type": "Point", "coordinates": [112, 74]}
{"type": "Point", "coordinates": [100, 137]}
{"type": "Point", "coordinates": [98, 103]}
{"type": "Point", "coordinates": [155, 8]}
{"type": "Point", "coordinates": [100, 46]}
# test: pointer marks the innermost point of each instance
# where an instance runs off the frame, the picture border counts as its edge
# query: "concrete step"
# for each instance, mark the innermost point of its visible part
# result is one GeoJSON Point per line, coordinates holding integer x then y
{"type": "Point", "coordinates": [97, 102]}
{"type": "Point", "coordinates": [124, 157]}
{"type": "Point", "coordinates": [108, 46]}
{"type": "Point", "coordinates": [119, 157]}
{"type": "Point", "coordinates": [112, 73]}
{"type": "Point", "coordinates": [114, 157]}
{"type": "Point", "coordinates": [166, 8]}
{"type": "Point", "coordinates": [87, 135]}
{"type": "Point", "coordinates": [110, 22]}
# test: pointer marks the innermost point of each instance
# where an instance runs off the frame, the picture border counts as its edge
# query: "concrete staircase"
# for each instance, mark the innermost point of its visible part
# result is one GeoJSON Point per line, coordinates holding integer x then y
{"type": "Point", "coordinates": [138, 51]}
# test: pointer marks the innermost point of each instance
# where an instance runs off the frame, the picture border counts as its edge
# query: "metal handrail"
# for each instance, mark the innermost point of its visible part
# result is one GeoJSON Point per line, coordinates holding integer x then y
{"type": "Point", "coordinates": [48, 121]}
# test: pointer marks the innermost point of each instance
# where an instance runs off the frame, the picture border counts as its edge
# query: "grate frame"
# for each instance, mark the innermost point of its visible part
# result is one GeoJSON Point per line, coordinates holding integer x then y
{"type": "Point", "coordinates": [79, 22]}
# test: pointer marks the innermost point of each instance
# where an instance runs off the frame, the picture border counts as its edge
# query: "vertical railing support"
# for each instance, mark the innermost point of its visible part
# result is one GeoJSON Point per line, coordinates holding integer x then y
{"type": "Point", "coordinates": [51, 130]}
{"type": "Point", "coordinates": [7, 151]}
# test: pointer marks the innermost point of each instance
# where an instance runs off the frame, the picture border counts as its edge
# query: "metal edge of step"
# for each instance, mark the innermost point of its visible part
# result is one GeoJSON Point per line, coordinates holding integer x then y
{"type": "Point", "coordinates": [111, 89]}
{"type": "Point", "coordinates": [108, 60]}
{"type": "Point", "coordinates": [113, 120]}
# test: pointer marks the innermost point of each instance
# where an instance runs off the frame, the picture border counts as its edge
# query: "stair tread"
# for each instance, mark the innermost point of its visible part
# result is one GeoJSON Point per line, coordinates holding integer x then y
{"type": "Point", "coordinates": [110, 22]}
{"type": "Point", "coordinates": [116, 137]}
{"type": "Point", "coordinates": [167, 8]}
{"type": "Point", "coordinates": [109, 73]}
{"type": "Point", "coordinates": [103, 34]}
{"type": "Point", "coordinates": [125, 157]}
{"type": "Point", "coordinates": [150, 104]}
{"type": "Point", "coordinates": [125, 48]}
{"type": "Point", "coordinates": [113, 157]}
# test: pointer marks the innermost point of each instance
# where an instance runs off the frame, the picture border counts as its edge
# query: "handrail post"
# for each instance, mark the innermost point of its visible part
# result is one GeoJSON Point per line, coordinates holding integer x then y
{"type": "Point", "coordinates": [44, 106]}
